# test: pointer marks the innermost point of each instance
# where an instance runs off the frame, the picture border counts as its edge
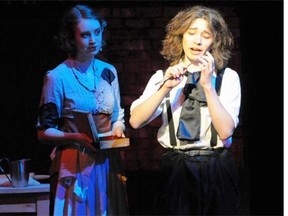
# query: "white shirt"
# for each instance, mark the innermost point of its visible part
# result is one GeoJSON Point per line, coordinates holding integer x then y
{"type": "Point", "coordinates": [230, 98]}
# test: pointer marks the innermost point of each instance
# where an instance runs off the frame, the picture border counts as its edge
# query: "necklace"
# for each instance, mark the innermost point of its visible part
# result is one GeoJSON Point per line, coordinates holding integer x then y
{"type": "Point", "coordinates": [78, 80]}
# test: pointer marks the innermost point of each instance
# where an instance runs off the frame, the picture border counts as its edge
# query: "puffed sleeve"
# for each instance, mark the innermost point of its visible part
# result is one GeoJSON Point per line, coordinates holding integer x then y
{"type": "Point", "coordinates": [50, 103]}
{"type": "Point", "coordinates": [117, 117]}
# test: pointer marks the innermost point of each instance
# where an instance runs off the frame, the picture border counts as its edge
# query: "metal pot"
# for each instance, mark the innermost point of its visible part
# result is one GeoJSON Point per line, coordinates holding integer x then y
{"type": "Point", "coordinates": [19, 172]}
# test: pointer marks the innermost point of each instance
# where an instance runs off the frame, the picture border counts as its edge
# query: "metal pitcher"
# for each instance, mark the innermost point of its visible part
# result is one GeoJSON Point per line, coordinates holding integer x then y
{"type": "Point", "coordinates": [19, 172]}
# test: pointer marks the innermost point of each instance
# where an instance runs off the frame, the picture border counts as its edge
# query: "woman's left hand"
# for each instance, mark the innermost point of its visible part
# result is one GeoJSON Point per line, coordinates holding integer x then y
{"type": "Point", "coordinates": [207, 66]}
{"type": "Point", "coordinates": [118, 131]}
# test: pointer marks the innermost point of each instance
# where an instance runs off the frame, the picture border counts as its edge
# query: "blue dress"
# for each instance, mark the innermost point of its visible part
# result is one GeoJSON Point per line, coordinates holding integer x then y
{"type": "Point", "coordinates": [86, 183]}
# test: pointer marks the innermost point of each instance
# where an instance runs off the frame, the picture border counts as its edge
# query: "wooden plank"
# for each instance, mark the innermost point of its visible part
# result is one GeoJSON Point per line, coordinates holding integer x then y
{"type": "Point", "coordinates": [28, 189]}
{"type": "Point", "coordinates": [18, 208]}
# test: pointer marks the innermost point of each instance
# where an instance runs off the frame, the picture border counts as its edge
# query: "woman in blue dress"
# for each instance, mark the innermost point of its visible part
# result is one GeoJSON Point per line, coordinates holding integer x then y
{"type": "Point", "coordinates": [84, 181]}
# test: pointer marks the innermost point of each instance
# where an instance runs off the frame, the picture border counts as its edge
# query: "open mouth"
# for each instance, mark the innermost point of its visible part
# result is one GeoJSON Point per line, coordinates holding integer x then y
{"type": "Point", "coordinates": [196, 51]}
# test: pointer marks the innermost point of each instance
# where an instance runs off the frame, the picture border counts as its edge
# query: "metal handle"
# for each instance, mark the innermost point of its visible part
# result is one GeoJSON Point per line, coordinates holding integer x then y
{"type": "Point", "coordinates": [2, 170]}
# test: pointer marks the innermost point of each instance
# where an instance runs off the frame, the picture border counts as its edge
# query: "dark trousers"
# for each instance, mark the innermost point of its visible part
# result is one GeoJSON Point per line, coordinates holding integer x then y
{"type": "Point", "coordinates": [199, 184]}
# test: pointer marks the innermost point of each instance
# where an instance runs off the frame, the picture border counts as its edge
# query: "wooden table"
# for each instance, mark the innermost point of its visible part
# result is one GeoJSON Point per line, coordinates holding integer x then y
{"type": "Point", "coordinates": [31, 199]}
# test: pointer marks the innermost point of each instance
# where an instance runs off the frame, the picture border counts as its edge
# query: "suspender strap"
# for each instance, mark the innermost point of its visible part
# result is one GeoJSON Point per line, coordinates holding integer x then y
{"type": "Point", "coordinates": [213, 140]}
{"type": "Point", "coordinates": [170, 121]}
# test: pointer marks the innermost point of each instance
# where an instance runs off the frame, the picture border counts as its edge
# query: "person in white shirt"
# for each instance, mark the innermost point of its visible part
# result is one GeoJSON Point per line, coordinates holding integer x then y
{"type": "Point", "coordinates": [199, 98]}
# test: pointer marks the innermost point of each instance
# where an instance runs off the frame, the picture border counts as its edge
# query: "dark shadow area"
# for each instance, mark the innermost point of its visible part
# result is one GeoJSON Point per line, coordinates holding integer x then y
{"type": "Point", "coordinates": [263, 79]}
{"type": "Point", "coordinates": [143, 185]}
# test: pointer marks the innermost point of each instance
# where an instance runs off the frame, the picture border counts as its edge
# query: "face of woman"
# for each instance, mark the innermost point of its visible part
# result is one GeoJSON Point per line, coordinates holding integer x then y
{"type": "Point", "coordinates": [88, 37]}
{"type": "Point", "coordinates": [196, 40]}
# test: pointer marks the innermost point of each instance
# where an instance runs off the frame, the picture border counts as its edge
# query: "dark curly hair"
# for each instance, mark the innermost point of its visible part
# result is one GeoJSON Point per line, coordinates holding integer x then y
{"type": "Point", "coordinates": [66, 36]}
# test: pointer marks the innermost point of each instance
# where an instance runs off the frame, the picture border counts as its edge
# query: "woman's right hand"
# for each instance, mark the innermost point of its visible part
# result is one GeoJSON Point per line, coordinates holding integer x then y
{"type": "Point", "coordinates": [55, 136]}
{"type": "Point", "coordinates": [84, 140]}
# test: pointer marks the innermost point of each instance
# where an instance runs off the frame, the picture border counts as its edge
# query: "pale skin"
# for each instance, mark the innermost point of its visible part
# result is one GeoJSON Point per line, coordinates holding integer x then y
{"type": "Point", "coordinates": [197, 41]}
{"type": "Point", "coordinates": [88, 39]}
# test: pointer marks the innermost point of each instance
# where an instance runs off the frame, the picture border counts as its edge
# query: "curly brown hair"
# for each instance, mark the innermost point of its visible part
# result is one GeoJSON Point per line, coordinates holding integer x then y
{"type": "Point", "coordinates": [66, 37]}
{"type": "Point", "coordinates": [223, 39]}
